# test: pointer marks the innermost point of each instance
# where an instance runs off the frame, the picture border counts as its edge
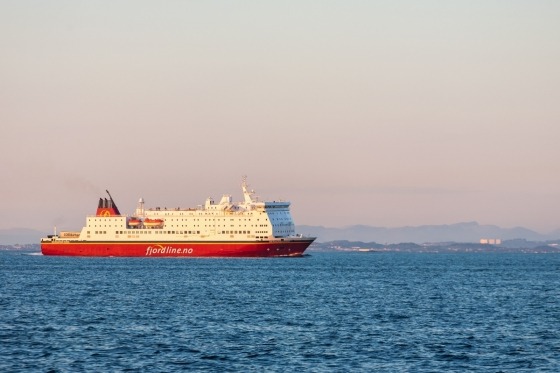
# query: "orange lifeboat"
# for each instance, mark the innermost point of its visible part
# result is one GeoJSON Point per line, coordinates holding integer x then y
{"type": "Point", "coordinates": [134, 222]}
{"type": "Point", "coordinates": [153, 223]}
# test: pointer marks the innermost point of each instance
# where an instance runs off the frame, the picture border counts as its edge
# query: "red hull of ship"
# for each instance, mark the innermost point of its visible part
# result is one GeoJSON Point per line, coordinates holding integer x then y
{"type": "Point", "coordinates": [177, 249]}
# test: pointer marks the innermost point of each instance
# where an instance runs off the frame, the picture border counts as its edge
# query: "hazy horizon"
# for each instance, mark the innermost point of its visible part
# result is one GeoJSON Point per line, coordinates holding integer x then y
{"type": "Point", "coordinates": [389, 113]}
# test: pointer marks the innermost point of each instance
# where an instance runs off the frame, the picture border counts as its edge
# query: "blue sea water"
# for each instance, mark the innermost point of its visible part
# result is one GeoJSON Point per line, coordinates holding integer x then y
{"type": "Point", "coordinates": [326, 312]}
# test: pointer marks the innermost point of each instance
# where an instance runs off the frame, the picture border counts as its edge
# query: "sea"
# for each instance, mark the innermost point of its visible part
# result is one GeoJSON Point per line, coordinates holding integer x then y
{"type": "Point", "coordinates": [324, 312]}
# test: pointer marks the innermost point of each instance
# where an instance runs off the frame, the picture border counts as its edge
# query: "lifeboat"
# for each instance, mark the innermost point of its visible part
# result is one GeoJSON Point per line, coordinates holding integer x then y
{"type": "Point", "coordinates": [134, 222]}
{"type": "Point", "coordinates": [153, 223]}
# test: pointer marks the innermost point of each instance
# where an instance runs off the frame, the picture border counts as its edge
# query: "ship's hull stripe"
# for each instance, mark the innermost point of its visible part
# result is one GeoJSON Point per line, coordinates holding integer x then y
{"type": "Point", "coordinates": [176, 249]}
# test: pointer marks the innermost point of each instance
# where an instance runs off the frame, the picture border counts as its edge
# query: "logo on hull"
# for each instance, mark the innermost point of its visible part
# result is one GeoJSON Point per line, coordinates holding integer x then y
{"type": "Point", "coordinates": [160, 249]}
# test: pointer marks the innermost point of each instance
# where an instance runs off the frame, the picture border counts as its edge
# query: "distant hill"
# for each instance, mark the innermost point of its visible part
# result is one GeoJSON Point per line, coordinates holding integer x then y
{"type": "Point", "coordinates": [21, 236]}
{"type": "Point", "coordinates": [460, 232]}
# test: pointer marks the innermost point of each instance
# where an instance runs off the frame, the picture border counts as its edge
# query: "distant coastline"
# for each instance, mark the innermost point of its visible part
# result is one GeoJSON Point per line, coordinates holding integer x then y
{"type": "Point", "coordinates": [513, 246]}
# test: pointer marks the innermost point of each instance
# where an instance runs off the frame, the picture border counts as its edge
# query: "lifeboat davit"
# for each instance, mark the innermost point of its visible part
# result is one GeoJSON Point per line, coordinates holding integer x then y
{"type": "Point", "coordinates": [153, 223]}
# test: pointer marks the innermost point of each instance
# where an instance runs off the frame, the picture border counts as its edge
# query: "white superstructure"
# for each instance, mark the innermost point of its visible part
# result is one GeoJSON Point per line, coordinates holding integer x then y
{"type": "Point", "coordinates": [249, 220]}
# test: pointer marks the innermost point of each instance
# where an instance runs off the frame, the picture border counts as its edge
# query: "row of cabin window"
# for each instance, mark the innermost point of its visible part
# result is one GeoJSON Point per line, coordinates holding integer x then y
{"type": "Point", "coordinates": [180, 232]}
{"type": "Point", "coordinates": [214, 219]}
{"type": "Point", "coordinates": [157, 232]}
{"type": "Point", "coordinates": [219, 225]}
{"type": "Point", "coordinates": [151, 231]}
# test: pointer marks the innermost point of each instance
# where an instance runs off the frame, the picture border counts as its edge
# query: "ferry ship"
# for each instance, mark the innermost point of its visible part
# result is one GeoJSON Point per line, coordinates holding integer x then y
{"type": "Point", "coordinates": [251, 228]}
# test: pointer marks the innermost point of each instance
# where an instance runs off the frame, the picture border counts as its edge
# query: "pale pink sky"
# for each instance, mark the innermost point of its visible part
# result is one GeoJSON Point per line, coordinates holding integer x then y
{"type": "Point", "coordinates": [384, 113]}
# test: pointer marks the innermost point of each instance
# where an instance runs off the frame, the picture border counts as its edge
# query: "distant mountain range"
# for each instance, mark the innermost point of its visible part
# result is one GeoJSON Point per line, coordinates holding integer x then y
{"type": "Point", "coordinates": [21, 236]}
{"type": "Point", "coordinates": [460, 232]}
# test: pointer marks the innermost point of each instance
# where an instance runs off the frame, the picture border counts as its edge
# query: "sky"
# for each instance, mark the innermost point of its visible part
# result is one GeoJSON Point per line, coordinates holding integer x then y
{"type": "Point", "coordinates": [383, 113]}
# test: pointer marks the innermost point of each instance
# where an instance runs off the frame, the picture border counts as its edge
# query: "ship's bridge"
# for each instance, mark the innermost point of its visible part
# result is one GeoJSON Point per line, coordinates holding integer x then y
{"type": "Point", "coordinates": [277, 205]}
